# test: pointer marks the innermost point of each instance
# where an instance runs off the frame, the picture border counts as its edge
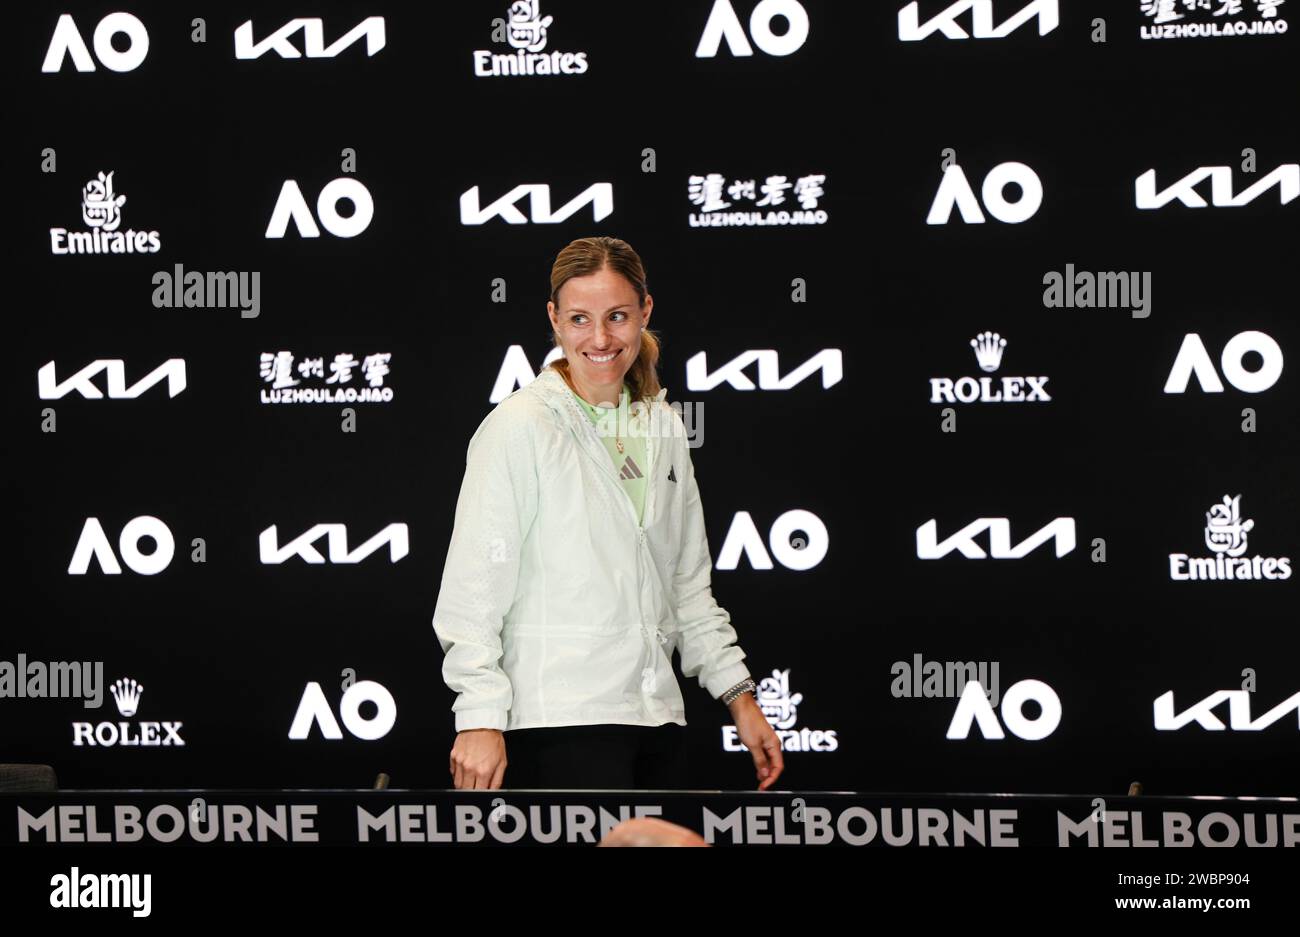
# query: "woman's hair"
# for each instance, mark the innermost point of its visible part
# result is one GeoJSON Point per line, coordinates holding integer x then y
{"type": "Point", "coordinates": [586, 256]}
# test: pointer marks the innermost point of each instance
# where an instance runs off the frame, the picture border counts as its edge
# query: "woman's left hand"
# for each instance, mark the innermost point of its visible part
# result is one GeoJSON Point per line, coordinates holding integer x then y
{"type": "Point", "coordinates": [757, 734]}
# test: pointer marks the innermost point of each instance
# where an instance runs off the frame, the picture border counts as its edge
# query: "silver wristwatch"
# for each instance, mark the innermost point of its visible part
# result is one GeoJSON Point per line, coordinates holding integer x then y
{"type": "Point", "coordinates": [744, 686]}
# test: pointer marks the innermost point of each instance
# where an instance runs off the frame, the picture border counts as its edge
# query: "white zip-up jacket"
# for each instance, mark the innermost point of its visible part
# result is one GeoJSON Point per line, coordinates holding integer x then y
{"type": "Point", "coordinates": [556, 606]}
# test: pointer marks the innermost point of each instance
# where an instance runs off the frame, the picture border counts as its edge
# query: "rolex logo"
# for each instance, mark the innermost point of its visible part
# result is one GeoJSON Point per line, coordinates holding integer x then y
{"type": "Point", "coordinates": [988, 350]}
{"type": "Point", "coordinates": [126, 693]}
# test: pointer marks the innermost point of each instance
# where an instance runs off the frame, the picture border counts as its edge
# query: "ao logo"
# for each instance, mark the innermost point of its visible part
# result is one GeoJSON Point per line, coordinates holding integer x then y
{"type": "Point", "coordinates": [974, 706]}
{"type": "Point", "coordinates": [516, 371]}
{"type": "Point", "coordinates": [954, 189]}
{"type": "Point", "coordinates": [94, 542]}
{"type": "Point", "coordinates": [910, 28]}
{"type": "Point", "coordinates": [1193, 359]}
{"type": "Point", "coordinates": [724, 24]}
{"type": "Point", "coordinates": [744, 536]}
{"type": "Point", "coordinates": [67, 41]}
{"type": "Point", "coordinates": [315, 709]}
{"type": "Point", "coordinates": [291, 204]}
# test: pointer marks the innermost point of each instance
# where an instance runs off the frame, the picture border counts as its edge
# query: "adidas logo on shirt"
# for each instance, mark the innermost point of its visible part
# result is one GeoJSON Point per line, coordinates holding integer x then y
{"type": "Point", "coordinates": [671, 476]}
{"type": "Point", "coordinates": [629, 470]}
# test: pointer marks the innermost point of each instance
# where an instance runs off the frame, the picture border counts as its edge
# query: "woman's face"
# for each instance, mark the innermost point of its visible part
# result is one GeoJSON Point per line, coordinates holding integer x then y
{"type": "Point", "coordinates": [599, 324]}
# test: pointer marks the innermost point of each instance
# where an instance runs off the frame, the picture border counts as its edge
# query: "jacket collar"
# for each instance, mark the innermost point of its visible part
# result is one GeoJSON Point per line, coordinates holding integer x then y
{"type": "Point", "coordinates": [550, 387]}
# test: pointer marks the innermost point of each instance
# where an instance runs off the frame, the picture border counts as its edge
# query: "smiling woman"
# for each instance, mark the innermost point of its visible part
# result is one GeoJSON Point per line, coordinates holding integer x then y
{"type": "Point", "coordinates": [579, 563]}
{"type": "Point", "coordinates": [602, 323]}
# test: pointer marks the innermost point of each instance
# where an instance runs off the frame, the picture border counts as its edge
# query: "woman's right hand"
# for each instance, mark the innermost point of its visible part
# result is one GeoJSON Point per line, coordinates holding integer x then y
{"type": "Point", "coordinates": [478, 759]}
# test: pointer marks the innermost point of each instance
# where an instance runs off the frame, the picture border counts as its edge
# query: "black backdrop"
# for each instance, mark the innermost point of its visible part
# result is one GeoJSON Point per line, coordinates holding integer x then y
{"type": "Point", "coordinates": [201, 143]}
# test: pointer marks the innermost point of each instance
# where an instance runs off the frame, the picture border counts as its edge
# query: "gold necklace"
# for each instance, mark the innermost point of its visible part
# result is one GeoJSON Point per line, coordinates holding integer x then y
{"type": "Point", "coordinates": [618, 438]}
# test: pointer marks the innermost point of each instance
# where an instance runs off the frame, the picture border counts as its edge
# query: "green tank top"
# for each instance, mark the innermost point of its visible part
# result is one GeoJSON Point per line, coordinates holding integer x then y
{"type": "Point", "coordinates": [615, 426]}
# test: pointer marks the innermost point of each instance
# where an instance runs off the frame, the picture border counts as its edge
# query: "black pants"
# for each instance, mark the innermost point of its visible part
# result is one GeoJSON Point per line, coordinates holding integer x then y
{"type": "Point", "coordinates": [615, 757]}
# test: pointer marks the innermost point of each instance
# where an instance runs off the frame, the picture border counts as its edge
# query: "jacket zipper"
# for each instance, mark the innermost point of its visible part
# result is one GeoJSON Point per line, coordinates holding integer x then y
{"type": "Point", "coordinates": [589, 445]}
